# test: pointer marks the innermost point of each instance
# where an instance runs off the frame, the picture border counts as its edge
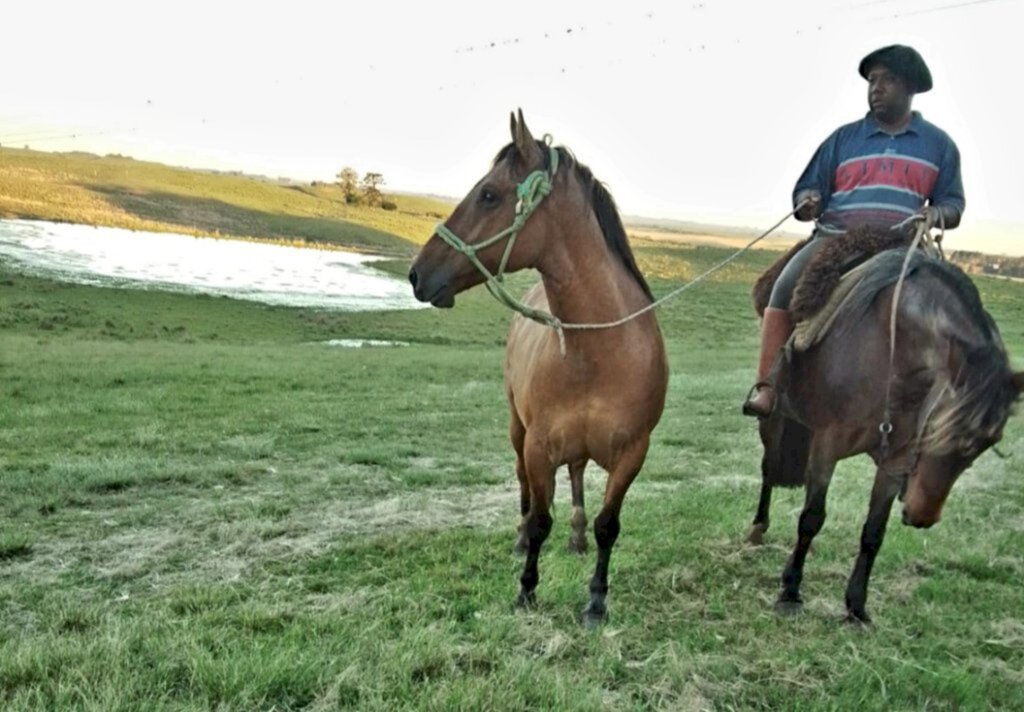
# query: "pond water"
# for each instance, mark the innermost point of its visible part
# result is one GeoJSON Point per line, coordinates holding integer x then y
{"type": "Point", "coordinates": [273, 274]}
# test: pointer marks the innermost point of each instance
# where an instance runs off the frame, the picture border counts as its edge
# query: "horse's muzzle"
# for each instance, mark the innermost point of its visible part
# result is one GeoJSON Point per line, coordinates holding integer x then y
{"type": "Point", "coordinates": [918, 522]}
{"type": "Point", "coordinates": [426, 290]}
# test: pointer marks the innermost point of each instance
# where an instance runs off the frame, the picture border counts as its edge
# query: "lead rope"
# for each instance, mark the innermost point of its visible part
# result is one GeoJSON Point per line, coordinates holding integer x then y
{"type": "Point", "coordinates": [696, 280]}
{"type": "Point", "coordinates": [531, 192]}
{"type": "Point", "coordinates": [561, 326]}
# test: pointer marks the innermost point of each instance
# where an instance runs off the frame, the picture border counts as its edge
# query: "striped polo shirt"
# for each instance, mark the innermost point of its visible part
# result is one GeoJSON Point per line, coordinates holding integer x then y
{"type": "Point", "coordinates": [869, 177]}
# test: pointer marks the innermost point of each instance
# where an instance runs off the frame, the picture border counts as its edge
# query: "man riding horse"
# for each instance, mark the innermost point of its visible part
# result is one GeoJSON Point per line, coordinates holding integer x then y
{"type": "Point", "coordinates": [878, 171]}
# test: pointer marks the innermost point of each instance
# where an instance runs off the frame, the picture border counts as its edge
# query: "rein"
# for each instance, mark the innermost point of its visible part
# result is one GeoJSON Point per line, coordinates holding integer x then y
{"type": "Point", "coordinates": [934, 245]}
{"type": "Point", "coordinates": [531, 192]}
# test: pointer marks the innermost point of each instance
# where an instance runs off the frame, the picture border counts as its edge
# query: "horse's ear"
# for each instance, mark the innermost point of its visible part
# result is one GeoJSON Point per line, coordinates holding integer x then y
{"type": "Point", "coordinates": [512, 124]}
{"type": "Point", "coordinates": [525, 143]}
{"type": "Point", "coordinates": [1018, 381]}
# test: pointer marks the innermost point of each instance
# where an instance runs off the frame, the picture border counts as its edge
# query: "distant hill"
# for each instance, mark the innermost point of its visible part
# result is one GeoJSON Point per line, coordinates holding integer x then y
{"type": "Point", "coordinates": [697, 228]}
{"type": "Point", "coordinates": [446, 199]}
{"type": "Point", "coordinates": [118, 191]}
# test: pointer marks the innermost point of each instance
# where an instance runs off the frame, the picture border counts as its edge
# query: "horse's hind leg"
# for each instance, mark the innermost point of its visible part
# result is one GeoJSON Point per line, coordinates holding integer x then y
{"type": "Point", "coordinates": [755, 536]}
{"type": "Point", "coordinates": [606, 527]}
{"type": "Point", "coordinates": [524, 506]}
{"type": "Point", "coordinates": [578, 522]}
{"type": "Point", "coordinates": [770, 431]}
{"type": "Point", "coordinates": [540, 475]}
{"type": "Point", "coordinates": [517, 434]}
{"type": "Point", "coordinates": [812, 518]}
{"type": "Point", "coordinates": [786, 446]}
{"type": "Point", "coordinates": [887, 486]}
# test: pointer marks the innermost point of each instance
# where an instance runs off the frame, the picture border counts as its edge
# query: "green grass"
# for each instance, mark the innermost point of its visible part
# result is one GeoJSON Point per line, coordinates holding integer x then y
{"type": "Point", "coordinates": [122, 192]}
{"type": "Point", "coordinates": [203, 508]}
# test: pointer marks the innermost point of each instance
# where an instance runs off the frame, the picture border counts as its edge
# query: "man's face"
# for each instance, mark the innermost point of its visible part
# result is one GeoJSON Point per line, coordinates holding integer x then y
{"type": "Point", "coordinates": [888, 97]}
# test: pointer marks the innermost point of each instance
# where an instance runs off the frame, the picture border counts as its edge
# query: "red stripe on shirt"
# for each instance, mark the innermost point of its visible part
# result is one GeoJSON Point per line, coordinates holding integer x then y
{"type": "Point", "coordinates": [891, 171]}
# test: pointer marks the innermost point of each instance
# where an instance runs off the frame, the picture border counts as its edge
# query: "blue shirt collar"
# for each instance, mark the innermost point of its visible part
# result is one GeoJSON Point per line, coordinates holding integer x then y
{"type": "Point", "coordinates": [871, 126]}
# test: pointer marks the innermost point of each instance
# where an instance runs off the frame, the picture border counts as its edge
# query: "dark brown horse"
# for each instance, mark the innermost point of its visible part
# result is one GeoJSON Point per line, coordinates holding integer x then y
{"type": "Point", "coordinates": [952, 391]}
{"type": "Point", "coordinates": [602, 397]}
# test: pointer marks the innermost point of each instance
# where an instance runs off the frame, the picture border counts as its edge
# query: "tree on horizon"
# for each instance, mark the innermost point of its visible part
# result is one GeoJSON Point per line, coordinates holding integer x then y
{"type": "Point", "coordinates": [372, 183]}
{"type": "Point", "coordinates": [348, 181]}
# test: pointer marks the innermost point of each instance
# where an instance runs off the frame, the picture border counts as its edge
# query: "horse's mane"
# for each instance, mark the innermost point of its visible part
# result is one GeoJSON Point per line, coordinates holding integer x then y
{"type": "Point", "coordinates": [982, 391]}
{"type": "Point", "coordinates": [601, 202]}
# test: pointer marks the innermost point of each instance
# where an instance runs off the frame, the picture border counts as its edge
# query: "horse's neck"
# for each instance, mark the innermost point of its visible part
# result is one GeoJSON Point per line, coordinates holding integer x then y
{"type": "Point", "coordinates": [585, 282]}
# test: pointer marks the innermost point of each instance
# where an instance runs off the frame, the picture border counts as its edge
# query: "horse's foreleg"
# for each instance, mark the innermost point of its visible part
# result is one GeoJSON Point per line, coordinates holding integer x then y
{"type": "Point", "coordinates": [755, 536]}
{"type": "Point", "coordinates": [812, 518]}
{"type": "Point", "coordinates": [537, 524]}
{"type": "Point", "coordinates": [578, 522]}
{"type": "Point", "coordinates": [887, 486]}
{"type": "Point", "coordinates": [606, 527]}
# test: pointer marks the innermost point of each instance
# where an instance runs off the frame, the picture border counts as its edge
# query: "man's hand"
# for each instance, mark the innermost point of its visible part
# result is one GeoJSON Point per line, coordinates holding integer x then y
{"type": "Point", "coordinates": [811, 209]}
{"type": "Point", "coordinates": [942, 216]}
{"type": "Point", "coordinates": [930, 215]}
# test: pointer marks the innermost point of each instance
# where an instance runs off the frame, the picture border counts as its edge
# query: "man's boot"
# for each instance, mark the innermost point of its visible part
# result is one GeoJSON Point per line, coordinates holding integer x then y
{"type": "Point", "coordinates": [775, 330]}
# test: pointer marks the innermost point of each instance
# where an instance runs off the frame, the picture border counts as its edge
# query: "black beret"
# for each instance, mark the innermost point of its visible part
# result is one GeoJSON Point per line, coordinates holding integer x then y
{"type": "Point", "coordinates": [902, 61]}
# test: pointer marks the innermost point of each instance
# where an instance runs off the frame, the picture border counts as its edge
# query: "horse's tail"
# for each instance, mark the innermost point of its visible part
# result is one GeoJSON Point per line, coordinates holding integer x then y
{"type": "Point", "coordinates": [786, 446]}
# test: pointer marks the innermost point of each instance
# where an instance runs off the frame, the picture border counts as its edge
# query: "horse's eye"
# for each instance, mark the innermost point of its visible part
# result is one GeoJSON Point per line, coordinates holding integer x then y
{"type": "Point", "coordinates": [488, 197]}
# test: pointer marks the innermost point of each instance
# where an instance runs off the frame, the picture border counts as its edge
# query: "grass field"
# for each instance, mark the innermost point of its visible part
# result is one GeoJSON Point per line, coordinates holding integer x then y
{"type": "Point", "coordinates": [203, 508]}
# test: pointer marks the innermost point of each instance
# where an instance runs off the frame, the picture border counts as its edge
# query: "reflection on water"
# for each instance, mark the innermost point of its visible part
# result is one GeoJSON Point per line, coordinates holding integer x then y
{"type": "Point", "coordinates": [272, 274]}
{"type": "Point", "coordinates": [359, 343]}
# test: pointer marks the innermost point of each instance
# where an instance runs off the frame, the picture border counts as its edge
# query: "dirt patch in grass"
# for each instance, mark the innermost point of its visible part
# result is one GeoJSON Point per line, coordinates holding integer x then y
{"type": "Point", "coordinates": [229, 536]}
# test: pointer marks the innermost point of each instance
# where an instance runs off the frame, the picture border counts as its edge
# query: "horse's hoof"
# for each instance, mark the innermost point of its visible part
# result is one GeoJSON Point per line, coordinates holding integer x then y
{"type": "Point", "coordinates": [526, 600]}
{"type": "Point", "coordinates": [858, 619]}
{"type": "Point", "coordinates": [756, 535]}
{"type": "Point", "coordinates": [788, 608]}
{"type": "Point", "coordinates": [594, 617]}
{"type": "Point", "coordinates": [577, 546]}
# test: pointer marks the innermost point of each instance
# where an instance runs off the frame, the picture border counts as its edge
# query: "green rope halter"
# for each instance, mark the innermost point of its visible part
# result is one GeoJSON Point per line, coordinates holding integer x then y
{"type": "Point", "coordinates": [530, 192]}
{"type": "Point", "coordinates": [534, 188]}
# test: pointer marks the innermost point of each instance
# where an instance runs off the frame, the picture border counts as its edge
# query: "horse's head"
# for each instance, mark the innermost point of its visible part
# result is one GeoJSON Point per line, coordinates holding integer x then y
{"type": "Point", "coordinates": [940, 465]}
{"type": "Point", "coordinates": [492, 224]}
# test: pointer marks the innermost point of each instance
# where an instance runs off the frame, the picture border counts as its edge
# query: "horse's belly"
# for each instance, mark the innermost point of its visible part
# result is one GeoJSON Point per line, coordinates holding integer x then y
{"type": "Point", "coordinates": [597, 437]}
{"type": "Point", "coordinates": [595, 424]}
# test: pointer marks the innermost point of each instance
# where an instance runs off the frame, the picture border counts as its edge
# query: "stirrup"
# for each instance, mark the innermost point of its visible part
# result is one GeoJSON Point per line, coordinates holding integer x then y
{"type": "Point", "coordinates": [749, 409]}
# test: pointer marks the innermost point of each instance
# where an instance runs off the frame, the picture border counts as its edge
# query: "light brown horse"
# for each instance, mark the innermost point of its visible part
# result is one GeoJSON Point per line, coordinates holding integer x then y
{"type": "Point", "coordinates": [599, 400]}
{"type": "Point", "coordinates": [952, 392]}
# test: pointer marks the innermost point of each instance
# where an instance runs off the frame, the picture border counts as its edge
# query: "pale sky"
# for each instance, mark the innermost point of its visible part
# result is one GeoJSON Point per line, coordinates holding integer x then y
{"type": "Point", "coordinates": [701, 110]}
